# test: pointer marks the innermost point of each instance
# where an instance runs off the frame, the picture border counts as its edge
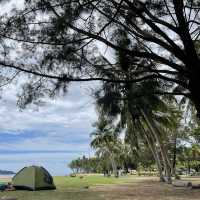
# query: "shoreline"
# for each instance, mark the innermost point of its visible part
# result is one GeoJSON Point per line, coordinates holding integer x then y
{"type": "Point", "coordinates": [6, 177]}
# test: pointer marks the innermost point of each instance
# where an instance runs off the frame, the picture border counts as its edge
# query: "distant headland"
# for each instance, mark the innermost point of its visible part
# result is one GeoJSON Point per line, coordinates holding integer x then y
{"type": "Point", "coordinates": [5, 172]}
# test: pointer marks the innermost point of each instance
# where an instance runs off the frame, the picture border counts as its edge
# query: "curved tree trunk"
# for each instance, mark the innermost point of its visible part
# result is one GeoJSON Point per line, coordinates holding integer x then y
{"type": "Point", "coordinates": [154, 152]}
{"type": "Point", "coordinates": [174, 156]}
{"type": "Point", "coordinates": [162, 144]}
{"type": "Point", "coordinates": [166, 163]}
{"type": "Point", "coordinates": [149, 138]}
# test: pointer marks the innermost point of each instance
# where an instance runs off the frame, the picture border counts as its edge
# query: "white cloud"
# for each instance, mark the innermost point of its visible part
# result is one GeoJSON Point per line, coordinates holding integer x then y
{"type": "Point", "coordinates": [73, 110]}
{"type": "Point", "coordinates": [63, 124]}
{"type": "Point", "coordinates": [8, 5]}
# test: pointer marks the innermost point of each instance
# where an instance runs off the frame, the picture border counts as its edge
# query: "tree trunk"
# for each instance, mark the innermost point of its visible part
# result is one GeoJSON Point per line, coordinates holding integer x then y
{"type": "Point", "coordinates": [189, 168]}
{"type": "Point", "coordinates": [174, 156]}
{"type": "Point", "coordinates": [154, 152]}
{"type": "Point", "coordinates": [194, 83]}
{"type": "Point", "coordinates": [114, 166]}
{"type": "Point", "coordinates": [152, 147]}
{"type": "Point", "coordinates": [161, 144]}
{"type": "Point", "coordinates": [166, 163]}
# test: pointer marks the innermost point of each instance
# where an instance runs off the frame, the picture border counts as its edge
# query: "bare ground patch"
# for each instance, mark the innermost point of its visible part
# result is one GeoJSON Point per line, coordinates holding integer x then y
{"type": "Point", "coordinates": [146, 189]}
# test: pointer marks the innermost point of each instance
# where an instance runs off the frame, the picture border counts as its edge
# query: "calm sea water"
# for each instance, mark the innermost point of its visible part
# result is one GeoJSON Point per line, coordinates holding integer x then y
{"type": "Point", "coordinates": [55, 163]}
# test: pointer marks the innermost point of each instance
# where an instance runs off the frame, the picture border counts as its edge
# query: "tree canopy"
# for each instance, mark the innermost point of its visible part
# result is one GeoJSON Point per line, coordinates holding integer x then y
{"type": "Point", "coordinates": [57, 42]}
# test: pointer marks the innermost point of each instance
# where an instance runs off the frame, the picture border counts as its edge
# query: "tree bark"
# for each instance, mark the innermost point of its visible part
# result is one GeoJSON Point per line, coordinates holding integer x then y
{"type": "Point", "coordinates": [152, 147]}
{"type": "Point", "coordinates": [162, 144]}
{"type": "Point", "coordinates": [194, 86]}
{"type": "Point", "coordinates": [154, 152]}
{"type": "Point", "coordinates": [167, 166]}
{"type": "Point", "coordinates": [174, 156]}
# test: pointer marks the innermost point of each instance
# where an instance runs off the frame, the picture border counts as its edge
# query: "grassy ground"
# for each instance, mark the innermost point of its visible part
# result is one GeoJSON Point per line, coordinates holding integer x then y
{"type": "Point", "coordinates": [68, 188]}
{"type": "Point", "coordinates": [101, 188]}
{"type": "Point", "coordinates": [78, 182]}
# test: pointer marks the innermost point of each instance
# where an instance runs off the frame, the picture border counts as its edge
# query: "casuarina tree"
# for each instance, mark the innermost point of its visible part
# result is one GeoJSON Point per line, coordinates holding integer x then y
{"type": "Point", "coordinates": [58, 40]}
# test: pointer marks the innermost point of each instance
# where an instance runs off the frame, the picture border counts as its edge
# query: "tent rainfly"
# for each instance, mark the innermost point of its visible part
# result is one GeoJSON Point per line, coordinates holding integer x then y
{"type": "Point", "coordinates": [33, 178]}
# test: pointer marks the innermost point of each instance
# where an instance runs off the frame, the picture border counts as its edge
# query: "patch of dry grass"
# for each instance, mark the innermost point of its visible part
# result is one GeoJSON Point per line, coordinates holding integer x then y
{"type": "Point", "coordinates": [147, 188]}
{"type": "Point", "coordinates": [126, 188]}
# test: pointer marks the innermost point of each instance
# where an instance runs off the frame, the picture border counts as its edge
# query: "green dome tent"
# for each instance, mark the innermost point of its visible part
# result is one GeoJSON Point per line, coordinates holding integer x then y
{"type": "Point", "coordinates": [33, 178]}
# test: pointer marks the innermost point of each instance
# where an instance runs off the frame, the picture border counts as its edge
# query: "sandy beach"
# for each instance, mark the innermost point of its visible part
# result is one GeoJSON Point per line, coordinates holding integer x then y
{"type": "Point", "coordinates": [5, 177]}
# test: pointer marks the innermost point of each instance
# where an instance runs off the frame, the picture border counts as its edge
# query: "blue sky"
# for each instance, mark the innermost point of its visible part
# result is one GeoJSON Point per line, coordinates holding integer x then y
{"type": "Point", "coordinates": [51, 135]}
